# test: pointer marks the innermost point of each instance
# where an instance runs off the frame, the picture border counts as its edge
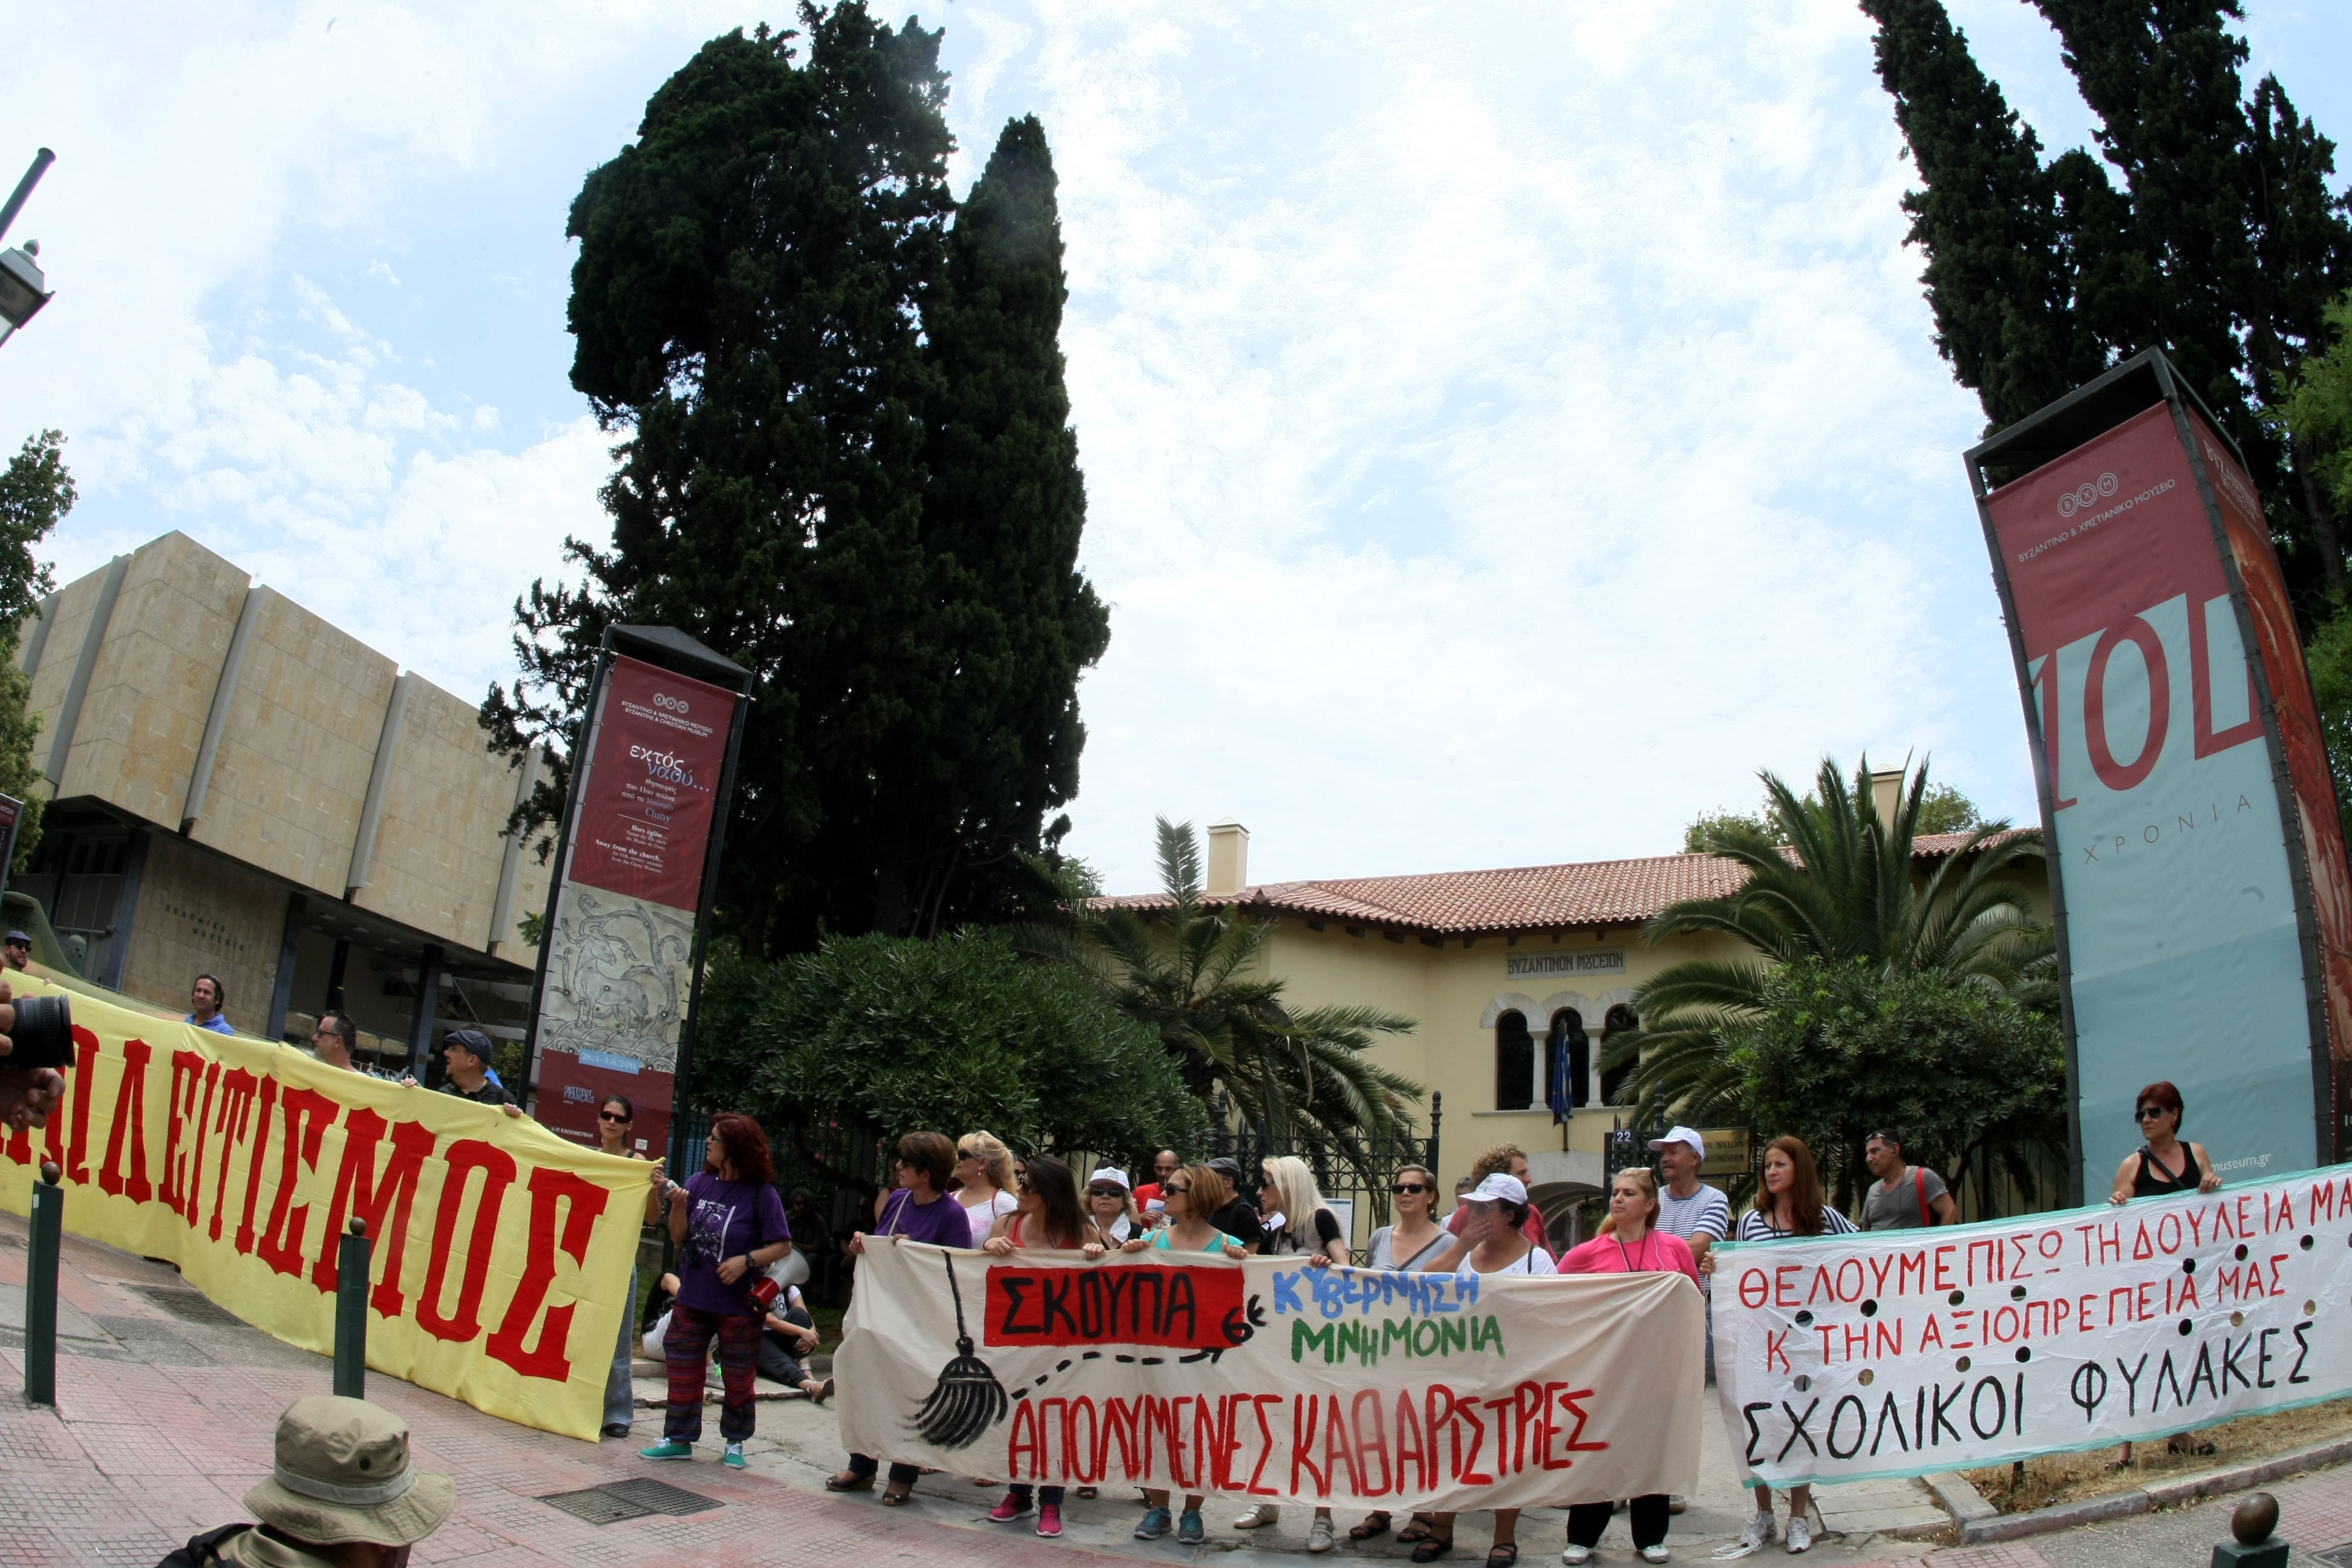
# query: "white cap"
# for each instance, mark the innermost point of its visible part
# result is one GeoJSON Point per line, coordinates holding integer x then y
{"type": "Point", "coordinates": [1682, 1135]}
{"type": "Point", "coordinates": [1500, 1188]}
{"type": "Point", "coordinates": [1111, 1173]}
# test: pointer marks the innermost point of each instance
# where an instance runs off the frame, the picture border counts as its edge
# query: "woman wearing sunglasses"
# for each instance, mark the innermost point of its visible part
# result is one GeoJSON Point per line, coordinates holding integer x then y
{"type": "Point", "coordinates": [1409, 1244]}
{"type": "Point", "coordinates": [1192, 1196]}
{"type": "Point", "coordinates": [983, 1172]}
{"type": "Point", "coordinates": [1110, 1206]}
{"type": "Point", "coordinates": [1048, 1219]}
{"type": "Point", "coordinates": [615, 1119]}
{"type": "Point", "coordinates": [2161, 1166]}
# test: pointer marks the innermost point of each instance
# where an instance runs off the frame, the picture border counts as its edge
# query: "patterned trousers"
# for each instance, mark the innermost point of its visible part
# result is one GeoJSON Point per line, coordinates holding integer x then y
{"type": "Point", "coordinates": [687, 1348]}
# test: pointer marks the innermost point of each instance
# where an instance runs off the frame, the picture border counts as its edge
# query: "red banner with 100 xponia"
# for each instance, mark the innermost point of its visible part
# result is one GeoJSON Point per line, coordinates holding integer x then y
{"type": "Point", "coordinates": [620, 950]}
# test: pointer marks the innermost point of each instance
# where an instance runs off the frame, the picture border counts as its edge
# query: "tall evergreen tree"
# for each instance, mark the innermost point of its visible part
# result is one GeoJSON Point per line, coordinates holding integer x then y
{"type": "Point", "coordinates": [765, 308]}
{"type": "Point", "coordinates": [2222, 246]}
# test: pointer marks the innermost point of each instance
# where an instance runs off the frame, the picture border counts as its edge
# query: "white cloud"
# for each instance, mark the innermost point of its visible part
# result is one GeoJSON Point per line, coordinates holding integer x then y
{"type": "Point", "coordinates": [1506, 427]}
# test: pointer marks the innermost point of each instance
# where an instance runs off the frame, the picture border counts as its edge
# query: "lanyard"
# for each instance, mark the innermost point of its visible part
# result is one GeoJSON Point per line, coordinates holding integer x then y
{"type": "Point", "coordinates": [1626, 1258]}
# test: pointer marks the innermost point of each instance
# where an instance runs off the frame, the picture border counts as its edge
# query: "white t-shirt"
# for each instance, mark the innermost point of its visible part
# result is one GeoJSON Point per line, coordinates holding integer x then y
{"type": "Point", "coordinates": [984, 1215]}
{"type": "Point", "coordinates": [1536, 1261]}
{"type": "Point", "coordinates": [1706, 1212]}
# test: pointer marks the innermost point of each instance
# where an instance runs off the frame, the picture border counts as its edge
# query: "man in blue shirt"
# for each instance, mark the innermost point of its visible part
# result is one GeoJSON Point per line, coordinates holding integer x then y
{"type": "Point", "coordinates": [209, 997]}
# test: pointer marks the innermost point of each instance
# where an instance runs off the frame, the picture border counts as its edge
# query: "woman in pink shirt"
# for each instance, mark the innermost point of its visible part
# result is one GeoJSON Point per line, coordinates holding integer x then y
{"type": "Point", "coordinates": [1629, 1243]}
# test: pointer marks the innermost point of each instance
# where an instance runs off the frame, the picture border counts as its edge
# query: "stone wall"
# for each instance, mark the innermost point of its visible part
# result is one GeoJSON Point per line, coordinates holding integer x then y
{"type": "Point", "coordinates": [198, 914]}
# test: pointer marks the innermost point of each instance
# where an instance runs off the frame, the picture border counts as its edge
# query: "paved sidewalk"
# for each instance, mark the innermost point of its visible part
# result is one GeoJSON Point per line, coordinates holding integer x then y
{"type": "Point", "coordinates": [167, 1404]}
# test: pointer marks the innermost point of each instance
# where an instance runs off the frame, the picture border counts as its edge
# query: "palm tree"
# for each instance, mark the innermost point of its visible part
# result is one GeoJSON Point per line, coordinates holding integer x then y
{"type": "Point", "coordinates": [1195, 975]}
{"type": "Point", "coordinates": [1832, 882]}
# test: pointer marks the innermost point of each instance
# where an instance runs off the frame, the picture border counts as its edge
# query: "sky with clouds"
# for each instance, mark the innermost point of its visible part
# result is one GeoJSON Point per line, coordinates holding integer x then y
{"type": "Point", "coordinates": [1506, 426]}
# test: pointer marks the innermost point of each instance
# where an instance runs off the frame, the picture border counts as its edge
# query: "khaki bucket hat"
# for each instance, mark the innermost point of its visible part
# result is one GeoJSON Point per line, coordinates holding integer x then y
{"type": "Point", "coordinates": [343, 1474]}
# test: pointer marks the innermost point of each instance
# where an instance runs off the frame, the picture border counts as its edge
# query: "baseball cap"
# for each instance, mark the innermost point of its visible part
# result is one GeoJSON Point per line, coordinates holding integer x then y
{"type": "Point", "coordinates": [1111, 1173]}
{"type": "Point", "coordinates": [1682, 1135]}
{"type": "Point", "coordinates": [1500, 1188]}
{"type": "Point", "coordinates": [16, 938]}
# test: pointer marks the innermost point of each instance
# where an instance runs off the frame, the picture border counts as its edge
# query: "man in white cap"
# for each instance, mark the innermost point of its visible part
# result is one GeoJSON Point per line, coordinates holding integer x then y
{"type": "Point", "coordinates": [1688, 1207]}
{"type": "Point", "coordinates": [343, 1492]}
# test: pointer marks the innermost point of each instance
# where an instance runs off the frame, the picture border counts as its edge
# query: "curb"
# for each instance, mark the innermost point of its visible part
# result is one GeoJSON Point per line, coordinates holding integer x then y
{"type": "Point", "coordinates": [1980, 1521]}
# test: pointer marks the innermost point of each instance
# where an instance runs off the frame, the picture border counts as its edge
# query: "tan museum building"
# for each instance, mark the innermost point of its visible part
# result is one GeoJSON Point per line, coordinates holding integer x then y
{"type": "Point", "coordinates": [239, 786]}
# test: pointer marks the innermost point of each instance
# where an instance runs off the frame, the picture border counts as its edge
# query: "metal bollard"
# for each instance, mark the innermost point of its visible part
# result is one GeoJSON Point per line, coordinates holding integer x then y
{"type": "Point", "coordinates": [41, 1289]}
{"type": "Point", "coordinates": [350, 1311]}
{"type": "Point", "coordinates": [2253, 1545]}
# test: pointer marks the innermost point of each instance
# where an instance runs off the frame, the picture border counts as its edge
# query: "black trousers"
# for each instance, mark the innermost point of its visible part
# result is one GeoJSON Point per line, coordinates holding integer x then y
{"type": "Point", "coordinates": [1586, 1520]}
{"type": "Point", "coordinates": [778, 1364]}
{"type": "Point", "coordinates": [900, 1475]}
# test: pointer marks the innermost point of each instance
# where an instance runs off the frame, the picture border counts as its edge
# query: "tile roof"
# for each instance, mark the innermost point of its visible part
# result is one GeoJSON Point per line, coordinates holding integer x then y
{"type": "Point", "coordinates": [1522, 897]}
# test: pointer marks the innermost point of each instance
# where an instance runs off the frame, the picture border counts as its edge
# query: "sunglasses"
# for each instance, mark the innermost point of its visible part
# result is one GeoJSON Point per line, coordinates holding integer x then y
{"type": "Point", "coordinates": [610, 1116]}
{"type": "Point", "coordinates": [1401, 1188]}
{"type": "Point", "coordinates": [1021, 1181]}
{"type": "Point", "coordinates": [2148, 1113]}
{"type": "Point", "coordinates": [1174, 1187]}
{"type": "Point", "coordinates": [967, 1154]}
{"type": "Point", "coordinates": [1105, 1192]}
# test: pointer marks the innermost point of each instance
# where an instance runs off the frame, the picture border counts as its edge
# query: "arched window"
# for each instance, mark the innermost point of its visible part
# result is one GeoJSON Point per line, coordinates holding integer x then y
{"type": "Point", "coordinates": [1515, 1063]}
{"type": "Point", "coordinates": [1619, 1017]}
{"type": "Point", "coordinates": [1567, 1036]}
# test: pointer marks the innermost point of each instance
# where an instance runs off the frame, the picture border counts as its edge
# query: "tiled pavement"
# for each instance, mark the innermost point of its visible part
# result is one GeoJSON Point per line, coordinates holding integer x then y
{"type": "Point", "coordinates": [162, 1424]}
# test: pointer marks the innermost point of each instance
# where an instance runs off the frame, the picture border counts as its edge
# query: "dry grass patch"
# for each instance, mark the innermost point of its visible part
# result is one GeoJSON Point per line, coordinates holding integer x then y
{"type": "Point", "coordinates": [2067, 1478]}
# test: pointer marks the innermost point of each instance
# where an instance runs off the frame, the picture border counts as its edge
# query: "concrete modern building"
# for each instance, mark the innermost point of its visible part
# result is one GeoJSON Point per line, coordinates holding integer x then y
{"type": "Point", "coordinates": [1503, 968]}
{"type": "Point", "coordinates": [236, 787]}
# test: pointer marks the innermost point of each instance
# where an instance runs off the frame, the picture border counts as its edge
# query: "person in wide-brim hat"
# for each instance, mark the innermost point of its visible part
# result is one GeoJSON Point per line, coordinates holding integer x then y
{"type": "Point", "coordinates": [342, 1475]}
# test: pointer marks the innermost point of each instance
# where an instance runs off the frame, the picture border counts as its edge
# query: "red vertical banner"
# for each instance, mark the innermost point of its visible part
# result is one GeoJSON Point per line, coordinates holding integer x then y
{"type": "Point", "coordinates": [620, 953]}
{"type": "Point", "coordinates": [2167, 697]}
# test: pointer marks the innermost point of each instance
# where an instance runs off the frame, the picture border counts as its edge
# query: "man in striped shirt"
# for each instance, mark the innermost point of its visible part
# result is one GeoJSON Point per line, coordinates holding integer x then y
{"type": "Point", "coordinates": [1691, 1209]}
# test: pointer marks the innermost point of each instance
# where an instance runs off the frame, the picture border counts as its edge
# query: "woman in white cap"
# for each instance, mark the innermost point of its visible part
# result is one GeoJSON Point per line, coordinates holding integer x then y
{"type": "Point", "coordinates": [1298, 1223]}
{"type": "Point", "coordinates": [1110, 1205]}
{"type": "Point", "coordinates": [342, 1491]}
{"type": "Point", "coordinates": [1493, 1241]}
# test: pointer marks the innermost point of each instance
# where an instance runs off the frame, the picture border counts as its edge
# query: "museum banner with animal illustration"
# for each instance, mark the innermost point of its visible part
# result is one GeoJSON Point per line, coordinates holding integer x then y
{"type": "Point", "coordinates": [1262, 1378]}
{"type": "Point", "coordinates": [500, 1256]}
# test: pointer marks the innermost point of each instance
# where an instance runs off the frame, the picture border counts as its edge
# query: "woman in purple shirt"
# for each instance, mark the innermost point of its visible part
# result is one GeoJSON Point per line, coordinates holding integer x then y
{"type": "Point", "coordinates": [727, 1222]}
{"type": "Point", "coordinates": [920, 1209]}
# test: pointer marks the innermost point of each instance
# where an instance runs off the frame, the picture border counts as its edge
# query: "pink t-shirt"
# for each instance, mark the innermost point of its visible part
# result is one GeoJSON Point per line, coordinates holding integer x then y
{"type": "Point", "coordinates": [1655, 1252]}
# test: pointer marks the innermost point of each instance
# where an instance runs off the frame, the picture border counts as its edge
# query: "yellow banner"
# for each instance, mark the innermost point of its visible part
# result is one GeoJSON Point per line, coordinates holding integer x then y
{"type": "Point", "coordinates": [500, 1253]}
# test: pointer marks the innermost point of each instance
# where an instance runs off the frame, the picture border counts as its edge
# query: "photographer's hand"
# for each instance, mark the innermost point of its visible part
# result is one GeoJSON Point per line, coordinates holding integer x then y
{"type": "Point", "coordinates": [27, 1095]}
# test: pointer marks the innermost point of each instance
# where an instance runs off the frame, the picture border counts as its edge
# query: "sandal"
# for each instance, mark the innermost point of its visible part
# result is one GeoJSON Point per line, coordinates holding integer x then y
{"type": "Point", "coordinates": [1503, 1554]}
{"type": "Point", "coordinates": [1433, 1547]}
{"type": "Point", "coordinates": [893, 1498]}
{"type": "Point", "coordinates": [847, 1481]}
{"type": "Point", "coordinates": [1375, 1523]}
{"type": "Point", "coordinates": [1416, 1528]}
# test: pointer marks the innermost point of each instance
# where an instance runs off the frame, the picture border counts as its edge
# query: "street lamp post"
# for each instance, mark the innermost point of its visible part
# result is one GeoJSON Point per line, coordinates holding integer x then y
{"type": "Point", "coordinates": [23, 290]}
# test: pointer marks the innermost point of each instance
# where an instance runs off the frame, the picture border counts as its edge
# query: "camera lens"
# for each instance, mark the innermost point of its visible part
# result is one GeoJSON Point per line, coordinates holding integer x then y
{"type": "Point", "coordinates": [42, 1036]}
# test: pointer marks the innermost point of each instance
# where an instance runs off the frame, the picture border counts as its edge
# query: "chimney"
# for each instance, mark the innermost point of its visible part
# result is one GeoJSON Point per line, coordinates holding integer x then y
{"type": "Point", "coordinates": [1228, 860]}
{"type": "Point", "coordinates": [1886, 794]}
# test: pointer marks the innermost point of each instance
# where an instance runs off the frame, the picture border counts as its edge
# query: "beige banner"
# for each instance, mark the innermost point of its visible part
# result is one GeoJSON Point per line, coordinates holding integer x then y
{"type": "Point", "coordinates": [1266, 1379]}
{"type": "Point", "coordinates": [501, 1258]}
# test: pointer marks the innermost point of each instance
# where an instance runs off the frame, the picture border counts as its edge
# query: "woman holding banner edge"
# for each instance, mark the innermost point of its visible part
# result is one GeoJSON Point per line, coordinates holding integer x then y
{"type": "Point", "coordinates": [1789, 1202]}
{"type": "Point", "coordinates": [1629, 1242]}
{"type": "Point", "coordinates": [2164, 1164]}
{"type": "Point", "coordinates": [1190, 1196]}
{"type": "Point", "coordinates": [1048, 1219]}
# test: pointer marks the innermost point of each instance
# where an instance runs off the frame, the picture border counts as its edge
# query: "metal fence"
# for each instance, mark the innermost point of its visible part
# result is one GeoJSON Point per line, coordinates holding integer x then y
{"type": "Point", "coordinates": [1359, 1178]}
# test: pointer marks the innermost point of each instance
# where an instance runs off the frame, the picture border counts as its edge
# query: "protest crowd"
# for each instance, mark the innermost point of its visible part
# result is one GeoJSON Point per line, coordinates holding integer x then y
{"type": "Point", "coordinates": [733, 1290]}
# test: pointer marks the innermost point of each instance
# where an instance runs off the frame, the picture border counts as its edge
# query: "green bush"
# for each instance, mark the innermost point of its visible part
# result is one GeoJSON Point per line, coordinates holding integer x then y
{"type": "Point", "coordinates": [895, 1034]}
{"type": "Point", "coordinates": [1838, 1050]}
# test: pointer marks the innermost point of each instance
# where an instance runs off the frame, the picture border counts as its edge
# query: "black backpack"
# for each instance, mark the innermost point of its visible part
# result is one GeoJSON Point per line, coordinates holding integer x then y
{"type": "Point", "coordinates": [201, 1550]}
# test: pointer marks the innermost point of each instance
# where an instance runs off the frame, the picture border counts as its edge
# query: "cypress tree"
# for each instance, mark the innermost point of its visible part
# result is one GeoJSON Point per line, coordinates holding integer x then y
{"type": "Point", "coordinates": [2223, 245]}
{"type": "Point", "coordinates": [768, 306]}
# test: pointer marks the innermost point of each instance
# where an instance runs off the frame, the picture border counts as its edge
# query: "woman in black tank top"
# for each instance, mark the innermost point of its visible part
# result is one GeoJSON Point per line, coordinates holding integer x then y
{"type": "Point", "coordinates": [2163, 1165]}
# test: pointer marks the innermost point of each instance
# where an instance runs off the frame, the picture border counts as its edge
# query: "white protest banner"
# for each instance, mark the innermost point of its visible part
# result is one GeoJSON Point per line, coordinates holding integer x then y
{"type": "Point", "coordinates": [1903, 1353]}
{"type": "Point", "coordinates": [1265, 1379]}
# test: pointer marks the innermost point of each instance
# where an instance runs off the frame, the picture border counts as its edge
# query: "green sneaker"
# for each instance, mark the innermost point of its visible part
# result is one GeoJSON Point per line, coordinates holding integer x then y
{"type": "Point", "coordinates": [668, 1448]}
{"type": "Point", "coordinates": [733, 1457]}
